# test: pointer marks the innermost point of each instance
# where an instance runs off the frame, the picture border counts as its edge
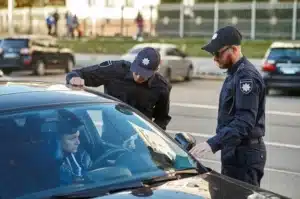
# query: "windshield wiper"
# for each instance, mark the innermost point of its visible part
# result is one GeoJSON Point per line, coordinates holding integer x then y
{"type": "Point", "coordinates": [172, 175]}
{"type": "Point", "coordinates": [101, 191]}
{"type": "Point", "coordinates": [128, 185]}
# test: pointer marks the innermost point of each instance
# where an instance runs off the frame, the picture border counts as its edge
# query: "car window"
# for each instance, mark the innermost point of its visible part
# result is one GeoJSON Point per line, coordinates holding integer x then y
{"type": "Point", "coordinates": [14, 43]}
{"type": "Point", "coordinates": [43, 149]}
{"type": "Point", "coordinates": [173, 52]}
{"type": "Point", "coordinates": [278, 53]}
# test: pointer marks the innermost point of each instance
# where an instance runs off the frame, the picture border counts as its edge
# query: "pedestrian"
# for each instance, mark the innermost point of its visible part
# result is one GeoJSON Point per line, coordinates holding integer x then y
{"type": "Point", "coordinates": [241, 113]}
{"type": "Point", "coordinates": [137, 84]}
{"type": "Point", "coordinates": [139, 20]}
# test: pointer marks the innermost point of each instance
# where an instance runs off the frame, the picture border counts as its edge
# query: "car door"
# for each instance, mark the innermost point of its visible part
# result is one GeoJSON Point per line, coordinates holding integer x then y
{"type": "Point", "coordinates": [54, 49]}
{"type": "Point", "coordinates": [43, 52]}
{"type": "Point", "coordinates": [173, 61]}
{"type": "Point", "coordinates": [183, 63]}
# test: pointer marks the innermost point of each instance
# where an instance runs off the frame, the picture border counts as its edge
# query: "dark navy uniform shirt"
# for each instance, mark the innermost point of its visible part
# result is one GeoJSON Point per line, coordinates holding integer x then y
{"type": "Point", "coordinates": [241, 113]}
{"type": "Point", "coordinates": [150, 98]}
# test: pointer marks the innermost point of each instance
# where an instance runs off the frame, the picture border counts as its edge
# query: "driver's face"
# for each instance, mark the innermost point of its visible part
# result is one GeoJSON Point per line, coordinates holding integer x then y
{"type": "Point", "coordinates": [70, 142]}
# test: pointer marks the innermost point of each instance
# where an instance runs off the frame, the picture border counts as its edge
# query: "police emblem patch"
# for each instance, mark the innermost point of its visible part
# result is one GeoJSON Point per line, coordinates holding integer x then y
{"type": "Point", "coordinates": [214, 36]}
{"type": "Point", "coordinates": [146, 61]}
{"type": "Point", "coordinates": [246, 85]}
{"type": "Point", "coordinates": [105, 63]}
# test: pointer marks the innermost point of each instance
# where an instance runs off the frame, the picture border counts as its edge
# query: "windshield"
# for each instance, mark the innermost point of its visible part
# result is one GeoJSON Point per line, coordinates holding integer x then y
{"type": "Point", "coordinates": [14, 43]}
{"type": "Point", "coordinates": [85, 144]}
{"type": "Point", "coordinates": [279, 53]}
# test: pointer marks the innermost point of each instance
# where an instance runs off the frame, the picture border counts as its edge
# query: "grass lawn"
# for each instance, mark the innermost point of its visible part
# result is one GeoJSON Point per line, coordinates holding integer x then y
{"type": "Point", "coordinates": [192, 46]}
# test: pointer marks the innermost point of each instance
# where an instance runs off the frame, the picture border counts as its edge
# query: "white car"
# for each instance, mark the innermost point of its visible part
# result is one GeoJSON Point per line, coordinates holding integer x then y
{"type": "Point", "coordinates": [174, 63]}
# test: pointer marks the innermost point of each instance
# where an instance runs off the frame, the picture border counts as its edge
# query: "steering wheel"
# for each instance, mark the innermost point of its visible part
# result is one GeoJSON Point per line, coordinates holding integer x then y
{"type": "Point", "coordinates": [100, 160]}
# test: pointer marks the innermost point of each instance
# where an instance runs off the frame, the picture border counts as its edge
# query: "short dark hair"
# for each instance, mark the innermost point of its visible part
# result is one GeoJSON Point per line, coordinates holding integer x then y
{"type": "Point", "coordinates": [68, 123]}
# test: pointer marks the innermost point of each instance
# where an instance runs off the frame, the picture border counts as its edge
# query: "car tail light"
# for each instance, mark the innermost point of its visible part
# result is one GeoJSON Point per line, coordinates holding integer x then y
{"type": "Point", "coordinates": [25, 51]}
{"type": "Point", "coordinates": [269, 67]}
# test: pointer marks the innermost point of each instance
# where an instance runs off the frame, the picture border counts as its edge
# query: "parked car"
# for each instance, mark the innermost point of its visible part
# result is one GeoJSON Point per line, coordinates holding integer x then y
{"type": "Point", "coordinates": [36, 53]}
{"type": "Point", "coordinates": [281, 66]}
{"type": "Point", "coordinates": [174, 63]}
{"type": "Point", "coordinates": [125, 154]}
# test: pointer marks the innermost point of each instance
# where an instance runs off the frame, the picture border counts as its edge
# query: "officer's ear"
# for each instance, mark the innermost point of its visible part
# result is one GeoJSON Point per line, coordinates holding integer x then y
{"type": "Point", "coordinates": [236, 49]}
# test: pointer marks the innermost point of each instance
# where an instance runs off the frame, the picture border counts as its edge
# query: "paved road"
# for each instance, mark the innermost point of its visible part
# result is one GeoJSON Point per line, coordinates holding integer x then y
{"type": "Point", "coordinates": [193, 110]}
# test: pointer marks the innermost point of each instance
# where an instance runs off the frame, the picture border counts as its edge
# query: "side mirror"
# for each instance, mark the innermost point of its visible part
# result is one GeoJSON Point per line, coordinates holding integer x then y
{"type": "Point", "coordinates": [186, 140]}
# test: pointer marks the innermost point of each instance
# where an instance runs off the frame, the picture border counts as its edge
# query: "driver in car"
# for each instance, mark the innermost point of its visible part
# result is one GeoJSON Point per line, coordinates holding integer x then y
{"type": "Point", "coordinates": [74, 161]}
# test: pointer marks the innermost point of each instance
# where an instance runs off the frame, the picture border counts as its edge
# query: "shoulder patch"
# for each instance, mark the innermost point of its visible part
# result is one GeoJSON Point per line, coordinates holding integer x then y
{"type": "Point", "coordinates": [246, 85]}
{"type": "Point", "coordinates": [105, 63]}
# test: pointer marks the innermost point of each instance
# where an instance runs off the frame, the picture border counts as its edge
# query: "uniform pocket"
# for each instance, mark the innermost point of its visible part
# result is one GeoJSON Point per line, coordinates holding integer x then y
{"type": "Point", "coordinates": [229, 156]}
{"type": "Point", "coordinates": [253, 156]}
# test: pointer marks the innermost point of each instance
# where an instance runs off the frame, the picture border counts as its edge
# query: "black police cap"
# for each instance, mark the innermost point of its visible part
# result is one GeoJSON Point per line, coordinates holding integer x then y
{"type": "Point", "coordinates": [225, 36]}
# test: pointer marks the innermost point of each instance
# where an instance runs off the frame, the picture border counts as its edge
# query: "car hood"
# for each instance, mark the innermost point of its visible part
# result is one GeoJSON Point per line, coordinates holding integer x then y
{"type": "Point", "coordinates": [206, 186]}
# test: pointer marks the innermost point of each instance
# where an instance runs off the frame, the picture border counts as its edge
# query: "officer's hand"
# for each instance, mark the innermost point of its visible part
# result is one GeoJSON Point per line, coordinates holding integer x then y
{"type": "Point", "coordinates": [200, 149]}
{"type": "Point", "coordinates": [77, 81]}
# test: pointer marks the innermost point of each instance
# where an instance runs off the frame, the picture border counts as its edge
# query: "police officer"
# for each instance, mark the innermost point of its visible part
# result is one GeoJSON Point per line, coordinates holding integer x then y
{"type": "Point", "coordinates": [137, 84]}
{"type": "Point", "coordinates": [241, 114]}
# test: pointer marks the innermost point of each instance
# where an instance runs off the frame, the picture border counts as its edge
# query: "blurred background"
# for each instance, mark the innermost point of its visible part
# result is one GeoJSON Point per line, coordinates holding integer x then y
{"type": "Point", "coordinates": [257, 19]}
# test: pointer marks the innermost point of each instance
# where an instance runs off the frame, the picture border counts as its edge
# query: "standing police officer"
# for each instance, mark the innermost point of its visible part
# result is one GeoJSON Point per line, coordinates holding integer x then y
{"type": "Point", "coordinates": [137, 83]}
{"type": "Point", "coordinates": [241, 114]}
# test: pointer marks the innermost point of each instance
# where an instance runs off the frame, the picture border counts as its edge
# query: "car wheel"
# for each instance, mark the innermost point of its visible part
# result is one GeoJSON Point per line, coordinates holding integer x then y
{"type": "Point", "coordinates": [189, 74]}
{"type": "Point", "coordinates": [7, 71]}
{"type": "Point", "coordinates": [70, 65]}
{"type": "Point", "coordinates": [40, 68]}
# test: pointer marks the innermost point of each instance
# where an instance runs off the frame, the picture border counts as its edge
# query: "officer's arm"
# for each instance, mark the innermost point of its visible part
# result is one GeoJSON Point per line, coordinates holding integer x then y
{"type": "Point", "coordinates": [247, 102]}
{"type": "Point", "coordinates": [97, 75]}
{"type": "Point", "coordinates": [161, 111]}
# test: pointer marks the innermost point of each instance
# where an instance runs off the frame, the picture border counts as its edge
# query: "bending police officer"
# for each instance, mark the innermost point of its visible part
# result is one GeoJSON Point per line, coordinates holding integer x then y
{"type": "Point", "coordinates": [241, 114]}
{"type": "Point", "coordinates": [137, 84]}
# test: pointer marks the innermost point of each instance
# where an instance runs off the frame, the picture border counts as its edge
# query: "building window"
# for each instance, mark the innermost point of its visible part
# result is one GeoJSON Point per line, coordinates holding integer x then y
{"type": "Point", "coordinates": [110, 3]}
{"type": "Point", "coordinates": [129, 3]}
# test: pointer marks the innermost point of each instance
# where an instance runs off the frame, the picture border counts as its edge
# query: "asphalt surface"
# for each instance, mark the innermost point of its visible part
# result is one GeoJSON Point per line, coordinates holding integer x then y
{"type": "Point", "coordinates": [194, 110]}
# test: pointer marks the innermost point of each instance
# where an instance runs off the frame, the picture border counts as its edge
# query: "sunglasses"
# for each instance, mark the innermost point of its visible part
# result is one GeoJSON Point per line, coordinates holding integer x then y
{"type": "Point", "coordinates": [219, 53]}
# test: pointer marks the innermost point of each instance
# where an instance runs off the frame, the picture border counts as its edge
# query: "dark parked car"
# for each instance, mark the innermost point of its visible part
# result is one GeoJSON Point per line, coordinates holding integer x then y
{"type": "Point", "coordinates": [281, 67]}
{"type": "Point", "coordinates": [36, 53]}
{"type": "Point", "coordinates": [115, 151]}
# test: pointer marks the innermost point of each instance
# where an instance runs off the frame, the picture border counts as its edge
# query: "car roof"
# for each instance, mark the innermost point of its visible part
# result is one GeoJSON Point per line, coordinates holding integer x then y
{"type": "Point", "coordinates": [19, 94]}
{"type": "Point", "coordinates": [278, 44]}
{"type": "Point", "coordinates": [155, 45]}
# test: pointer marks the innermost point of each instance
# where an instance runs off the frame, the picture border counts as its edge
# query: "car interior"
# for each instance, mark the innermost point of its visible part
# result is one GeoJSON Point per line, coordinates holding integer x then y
{"type": "Point", "coordinates": [29, 148]}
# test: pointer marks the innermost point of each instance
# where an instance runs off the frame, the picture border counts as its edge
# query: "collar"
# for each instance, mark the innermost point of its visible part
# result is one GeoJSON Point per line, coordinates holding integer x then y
{"type": "Point", "coordinates": [129, 76]}
{"type": "Point", "coordinates": [235, 66]}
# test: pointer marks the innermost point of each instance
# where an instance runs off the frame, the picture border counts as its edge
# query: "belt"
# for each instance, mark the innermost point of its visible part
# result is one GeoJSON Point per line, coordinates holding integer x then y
{"type": "Point", "coordinates": [252, 141]}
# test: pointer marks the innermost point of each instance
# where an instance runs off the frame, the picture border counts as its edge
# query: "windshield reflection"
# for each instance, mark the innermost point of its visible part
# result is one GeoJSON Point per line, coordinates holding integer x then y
{"type": "Point", "coordinates": [46, 149]}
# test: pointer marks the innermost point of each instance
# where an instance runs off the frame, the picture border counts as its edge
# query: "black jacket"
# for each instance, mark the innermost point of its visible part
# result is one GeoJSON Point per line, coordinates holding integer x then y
{"type": "Point", "coordinates": [152, 98]}
{"type": "Point", "coordinates": [241, 114]}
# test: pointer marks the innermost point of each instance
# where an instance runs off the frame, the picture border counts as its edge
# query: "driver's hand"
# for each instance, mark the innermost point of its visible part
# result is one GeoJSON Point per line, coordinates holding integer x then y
{"type": "Point", "coordinates": [129, 144]}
